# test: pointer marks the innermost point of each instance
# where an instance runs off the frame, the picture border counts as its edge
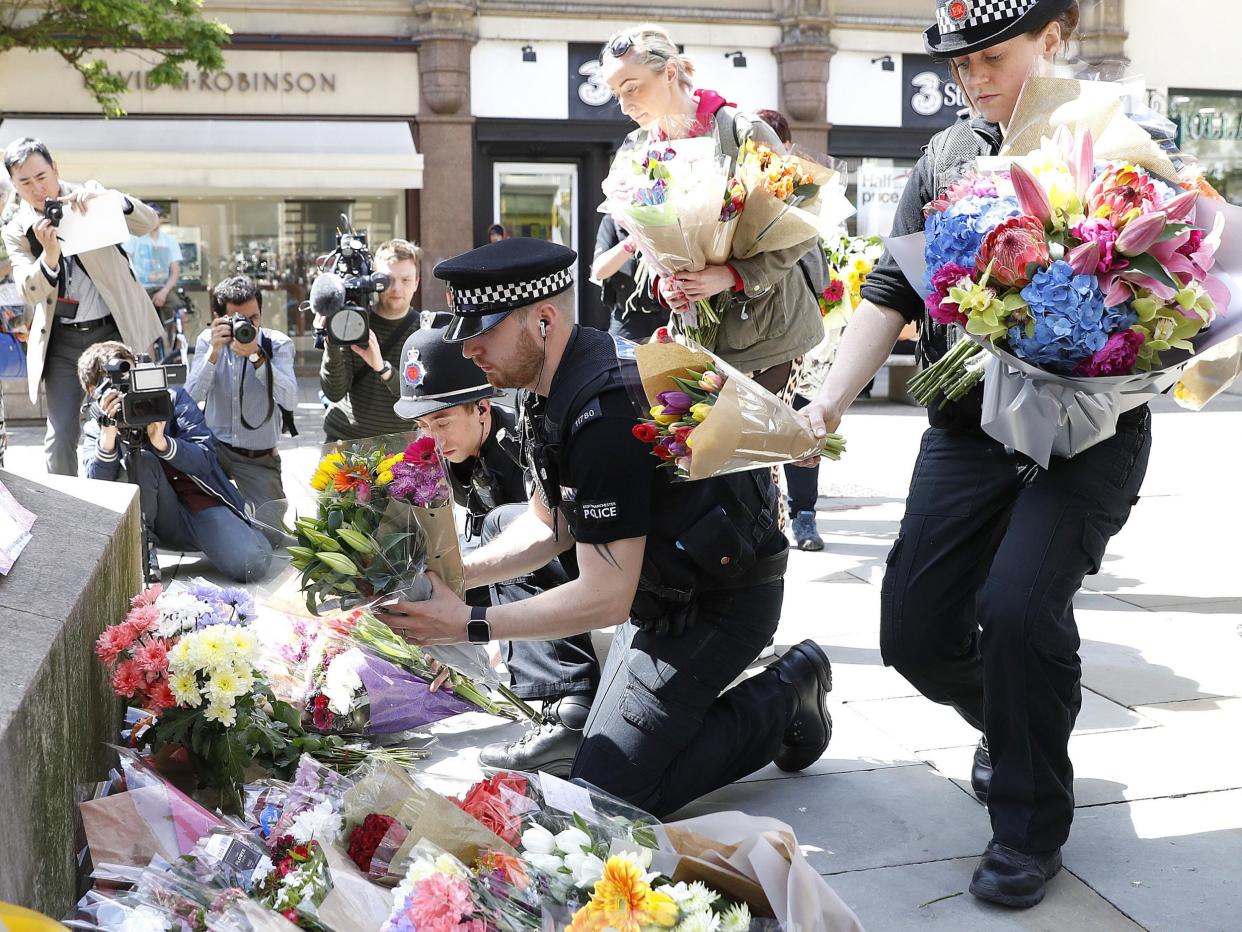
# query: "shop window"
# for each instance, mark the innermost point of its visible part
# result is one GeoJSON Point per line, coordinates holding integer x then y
{"type": "Point", "coordinates": [875, 186]}
{"type": "Point", "coordinates": [1210, 128]}
{"type": "Point", "coordinates": [275, 241]}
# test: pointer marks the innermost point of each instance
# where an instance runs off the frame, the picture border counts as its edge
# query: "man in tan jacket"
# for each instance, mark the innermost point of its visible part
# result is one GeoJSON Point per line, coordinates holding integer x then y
{"type": "Point", "coordinates": [73, 301]}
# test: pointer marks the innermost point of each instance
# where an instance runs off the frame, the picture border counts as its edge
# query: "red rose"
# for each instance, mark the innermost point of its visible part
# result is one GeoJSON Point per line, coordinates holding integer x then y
{"type": "Point", "coordinates": [368, 836]}
{"type": "Point", "coordinates": [646, 432]}
{"type": "Point", "coordinates": [662, 452]}
{"type": "Point", "coordinates": [1011, 249]}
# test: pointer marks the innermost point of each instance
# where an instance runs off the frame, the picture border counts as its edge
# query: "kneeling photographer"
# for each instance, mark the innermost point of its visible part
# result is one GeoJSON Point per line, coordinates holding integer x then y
{"type": "Point", "coordinates": [243, 371]}
{"type": "Point", "coordinates": [158, 436]}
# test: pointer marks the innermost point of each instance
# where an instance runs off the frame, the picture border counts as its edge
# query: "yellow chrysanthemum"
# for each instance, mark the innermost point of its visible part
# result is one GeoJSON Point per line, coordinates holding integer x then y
{"type": "Point", "coordinates": [326, 471]}
{"type": "Point", "coordinates": [384, 469]}
{"type": "Point", "coordinates": [624, 901]}
{"type": "Point", "coordinates": [224, 687]}
{"type": "Point", "coordinates": [184, 687]}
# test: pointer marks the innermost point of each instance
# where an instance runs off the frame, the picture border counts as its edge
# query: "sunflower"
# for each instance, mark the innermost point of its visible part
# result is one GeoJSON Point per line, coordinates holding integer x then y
{"type": "Point", "coordinates": [326, 471]}
{"type": "Point", "coordinates": [624, 901]}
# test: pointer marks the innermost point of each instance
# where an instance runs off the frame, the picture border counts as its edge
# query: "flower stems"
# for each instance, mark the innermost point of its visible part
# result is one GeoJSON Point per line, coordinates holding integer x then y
{"type": "Point", "coordinates": [834, 446]}
{"type": "Point", "coordinates": [951, 372]}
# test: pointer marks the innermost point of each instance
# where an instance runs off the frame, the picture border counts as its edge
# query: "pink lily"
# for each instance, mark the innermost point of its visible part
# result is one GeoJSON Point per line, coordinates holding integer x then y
{"type": "Point", "coordinates": [1182, 207]}
{"type": "Point", "coordinates": [1158, 288]}
{"type": "Point", "coordinates": [1082, 164]}
{"type": "Point", "coordinates": [1031, 194]}
{"type": "Point", "coordinates": [1084, 258]}
{"type": "Point", "coordinates": [1116, 290]}
{"type": "Point", "coordinates": [1141, 234]}
{"type": "Point", "coordinates": [1219, 292]}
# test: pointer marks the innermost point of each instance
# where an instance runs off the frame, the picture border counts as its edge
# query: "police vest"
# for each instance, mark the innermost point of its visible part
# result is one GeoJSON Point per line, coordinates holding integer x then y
{"type": "Point", "coordinates": [709, 532]}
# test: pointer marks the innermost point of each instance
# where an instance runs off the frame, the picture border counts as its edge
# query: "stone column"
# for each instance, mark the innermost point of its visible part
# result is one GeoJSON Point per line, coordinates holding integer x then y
{"type": "Point", "coordinates": [447, 33]}
{"type": "Point", "coordinates": [802, 60]}
{"type": "Point", "coordinates": [1102, 37]}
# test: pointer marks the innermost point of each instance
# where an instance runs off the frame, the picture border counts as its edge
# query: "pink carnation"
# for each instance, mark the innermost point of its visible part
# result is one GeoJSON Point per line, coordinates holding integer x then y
{"type": "Point", "coordinates": [152, 656]}
{"type": "Point", "coordinates": [127, 678]}
{"type": "Point", "coordinates": [939, 308]}
{"type": "Point", "coordinates": [159, 696]}
{"type": "Point", "coordinates": [1117, 357]}
{"type": "Point", "coordinates": [143, 618]}
{"type": "Point", "coordinates": [112, 643]}
{"type": "Point", "coordinates": [147, 596]}
{"type": "Point", "coordinates": [441, 904]}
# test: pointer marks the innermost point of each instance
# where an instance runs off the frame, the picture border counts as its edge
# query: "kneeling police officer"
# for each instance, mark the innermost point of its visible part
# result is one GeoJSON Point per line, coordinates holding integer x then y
{"type": "Point", "coordinates": [692, 573]}
{"type": "Point", "coordinates": [450, 399]}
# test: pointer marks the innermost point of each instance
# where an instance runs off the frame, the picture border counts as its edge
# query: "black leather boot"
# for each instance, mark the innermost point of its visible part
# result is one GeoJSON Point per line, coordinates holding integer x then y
{"type": "Point", "coordinates": [1012, 878]}
{"type": "Point", "coordinates": [549, 747]}
{"type": "Point", "coordinates": [981, 771]}
{"type": "Point", "coordinates": [807, 669]}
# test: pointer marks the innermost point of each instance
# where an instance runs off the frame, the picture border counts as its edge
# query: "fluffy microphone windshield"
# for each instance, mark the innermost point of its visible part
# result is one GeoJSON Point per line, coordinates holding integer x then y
{"type": "Point", "coordinates": [327, 295]}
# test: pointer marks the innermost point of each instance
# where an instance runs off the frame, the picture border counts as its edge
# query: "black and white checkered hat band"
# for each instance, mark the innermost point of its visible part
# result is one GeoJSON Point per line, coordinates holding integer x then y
{"type": "Point", "coordinates": [510, 294]}
{"type": "Point", "coordinates": [978, 13]}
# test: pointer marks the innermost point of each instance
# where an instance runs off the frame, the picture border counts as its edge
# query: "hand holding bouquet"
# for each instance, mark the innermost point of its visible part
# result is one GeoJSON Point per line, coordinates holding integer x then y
{"type": "Point", "coordinates": [707, 419]}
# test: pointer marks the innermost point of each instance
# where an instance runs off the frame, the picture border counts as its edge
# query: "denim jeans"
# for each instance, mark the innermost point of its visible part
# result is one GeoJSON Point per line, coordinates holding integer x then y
{"type": "Point", "coordinates": [663, 731]}
{"type": "Point", "coordinates": [236, 549]}
{"type": "Point", "coordinates": [977, 602]}
{"type": "Point", "coordinates": [545, 670]}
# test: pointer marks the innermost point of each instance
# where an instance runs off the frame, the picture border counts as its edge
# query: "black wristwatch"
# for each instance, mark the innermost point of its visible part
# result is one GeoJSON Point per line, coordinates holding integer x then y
{"type": "Point", "coordinates": [478, 631]}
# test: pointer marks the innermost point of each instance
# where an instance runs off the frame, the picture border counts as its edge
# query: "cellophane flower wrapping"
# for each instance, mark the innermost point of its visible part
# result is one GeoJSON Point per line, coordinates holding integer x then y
{"type": "Point", "coordinates": [705, 418]}
{"type": "Point", "coordinates": [383, 517]}
{"type": "Point", "coordinates": [786, 197]}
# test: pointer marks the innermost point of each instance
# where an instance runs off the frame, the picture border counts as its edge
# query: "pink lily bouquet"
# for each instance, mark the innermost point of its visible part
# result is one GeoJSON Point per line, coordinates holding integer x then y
{"type": "Point", "coordinates": [1067, 271]}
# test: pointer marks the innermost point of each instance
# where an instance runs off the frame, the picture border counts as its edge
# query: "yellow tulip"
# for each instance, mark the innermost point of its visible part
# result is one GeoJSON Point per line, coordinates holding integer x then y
{"type": "Point", "coordinates": [700, 411]}
{"type": "Point", "coordinates": [661, 418]}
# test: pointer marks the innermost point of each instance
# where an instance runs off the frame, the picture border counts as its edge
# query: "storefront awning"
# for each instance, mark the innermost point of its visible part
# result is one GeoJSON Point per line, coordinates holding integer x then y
{"type": "Point", "coordinates": [178, 158]}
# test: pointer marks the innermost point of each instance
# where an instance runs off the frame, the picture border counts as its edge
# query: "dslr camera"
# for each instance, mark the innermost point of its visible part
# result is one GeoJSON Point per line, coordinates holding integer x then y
{"type": "Point", "coordinates": [144, 390]}
{"type": "Point", "coordinates": [53, 210]}
{"type": "Point", "coordinates": [344, 293]}
{"type": "Point", "coordinates": [242, 329]}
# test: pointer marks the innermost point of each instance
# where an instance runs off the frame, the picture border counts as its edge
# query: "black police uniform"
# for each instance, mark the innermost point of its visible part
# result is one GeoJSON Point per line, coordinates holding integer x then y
{"type": "Point", "coordinates": [977, 600]}
{"type": "Point", "coordinates": [665, 728]}
{"type": "Point", "coordinates": [492, 488]}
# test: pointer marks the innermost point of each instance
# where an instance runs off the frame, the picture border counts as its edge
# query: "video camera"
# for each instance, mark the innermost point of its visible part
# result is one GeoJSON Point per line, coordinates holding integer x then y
{"type": "Point", "coordinates": [343, 294]}
{"type": "Point", "coordinates": [144, 389]}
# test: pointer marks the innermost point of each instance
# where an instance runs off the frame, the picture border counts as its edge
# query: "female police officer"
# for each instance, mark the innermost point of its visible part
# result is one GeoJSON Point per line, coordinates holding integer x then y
{"type": "Point", "coordinates": [976, 604]}
{"type": "Point", "coordinates": [697, 568]}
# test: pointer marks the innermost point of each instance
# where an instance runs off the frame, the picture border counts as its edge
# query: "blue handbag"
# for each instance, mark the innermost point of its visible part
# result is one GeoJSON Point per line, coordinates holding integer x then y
{"type": "Point", "coordinates": [12, 357]}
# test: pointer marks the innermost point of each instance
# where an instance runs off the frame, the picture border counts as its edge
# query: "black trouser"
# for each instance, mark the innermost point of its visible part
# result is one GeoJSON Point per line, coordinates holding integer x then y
{"type": "Point", "coordinates": [545, 670]}
{"type": "Point", "coordinates": [637, 326]}
{"type": "Point", "coordinates": [803, 483]}
{"type": "Point", "coordinates": [977, 602]}
{"type": "Point", "coordinates": [663, 731]}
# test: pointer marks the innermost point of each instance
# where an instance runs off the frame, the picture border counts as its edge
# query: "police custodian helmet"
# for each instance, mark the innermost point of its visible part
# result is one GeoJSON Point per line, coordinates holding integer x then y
{"type": "Point", "coordinates": [434, 376]}
{"type": "Point", "coordinates": [486, 284]}
{"type": "Point", "coordinates": [964, 27]}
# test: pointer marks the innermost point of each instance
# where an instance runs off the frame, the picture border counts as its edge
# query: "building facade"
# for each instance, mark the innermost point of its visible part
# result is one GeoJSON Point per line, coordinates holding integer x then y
{"type": "Point", "coordinates": [436, 118]}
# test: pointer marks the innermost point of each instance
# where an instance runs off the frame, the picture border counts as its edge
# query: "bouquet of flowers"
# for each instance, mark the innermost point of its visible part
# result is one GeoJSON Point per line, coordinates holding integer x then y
{"type": "Point", "coordinates": [850, 261]}
{"type": "Point", "coordinates": [1089, 279]}
{"type": "Point", "coordinates": [680, 207]}
{"type": "Point", "coordinates": [783, 199]}
{"type": "Point", "coordinates": [384, 515]}
{"type": "Point", "coordinates": [350, 690]}
{"type": "Point", "coordinates": [708, 419]}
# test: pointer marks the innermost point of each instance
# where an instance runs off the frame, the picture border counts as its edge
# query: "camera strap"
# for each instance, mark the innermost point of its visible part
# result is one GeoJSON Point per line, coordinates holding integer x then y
{"type": "Point", "coordinates": [271, 396]}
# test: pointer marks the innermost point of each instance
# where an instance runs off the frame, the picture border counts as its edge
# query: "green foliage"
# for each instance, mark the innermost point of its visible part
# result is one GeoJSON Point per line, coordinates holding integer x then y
{"type": "Point", "coordinates": [175, 32]}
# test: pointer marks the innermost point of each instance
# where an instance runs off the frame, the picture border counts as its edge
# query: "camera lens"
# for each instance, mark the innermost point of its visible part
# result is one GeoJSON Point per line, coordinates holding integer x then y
{"type": "Point", "coordinates": [243, 330]}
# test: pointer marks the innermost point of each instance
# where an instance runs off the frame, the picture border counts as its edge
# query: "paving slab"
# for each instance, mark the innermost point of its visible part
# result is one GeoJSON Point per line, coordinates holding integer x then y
{"type": "Point", "coordinates": [1212, 716]}
{"type": "Point", "coordinates": [853, 821]}
{"type": "Point", "coordinates": [855, 746]}
{"type": "Point", "coordinates": [1144, 763]}
{"type": "Point", "coordinates": [1171, 864]}
{"type": "Point", "coordinates": [919, 724]}
{"type": "Point", "coordinates": [1165, 656]}
{"type": "Point", "coordinates": [859, 673]}
{"type": "Point", "coordinates": [895, 898]}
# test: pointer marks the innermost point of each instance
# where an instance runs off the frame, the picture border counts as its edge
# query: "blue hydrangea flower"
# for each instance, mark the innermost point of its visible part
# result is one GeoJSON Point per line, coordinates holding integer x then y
{"type": "Point", "coordinates": [1071, 321]}
{"type": "Point", "coordinates": [956, 234]}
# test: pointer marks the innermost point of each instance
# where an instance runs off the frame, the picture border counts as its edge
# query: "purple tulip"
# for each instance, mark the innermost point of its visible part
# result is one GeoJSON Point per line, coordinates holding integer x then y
{"type": "Point", "coordinates": [678, 449]}
{"type": "Point", "coordinates": [674, 402]}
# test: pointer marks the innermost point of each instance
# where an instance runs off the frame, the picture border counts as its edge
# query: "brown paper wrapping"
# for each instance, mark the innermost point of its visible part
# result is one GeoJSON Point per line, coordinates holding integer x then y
{"type": "Point", "coordinates": [443, 548]}
{"type": "Point", "coordinates": [660, 363]}
{"type": "Point", "coordinates": [1095, 106]}
{"type": "Point", "coordinates": [793, 225]}
{"type": "Point", "coordinates": [706, 860]}
{"type": "Point", "coordinates": [354, 904]}
{"type": "Point", "coordinates": [117, 832]}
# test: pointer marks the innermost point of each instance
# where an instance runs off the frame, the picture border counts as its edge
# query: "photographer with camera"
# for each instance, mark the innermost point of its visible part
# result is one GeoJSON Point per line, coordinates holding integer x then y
{"type": "Point", "coordinates": [160, 439]}
{"type": "Point", "coordinates": [74, 301]}
{"type": "Point", "coordinates": [243, 371]}
{"type": "Point", "coordinates": [361, 380]}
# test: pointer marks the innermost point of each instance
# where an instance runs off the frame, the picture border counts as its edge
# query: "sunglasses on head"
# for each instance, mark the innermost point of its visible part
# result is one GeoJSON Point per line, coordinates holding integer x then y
{"type": "Point", "coordinates": [620, 45]}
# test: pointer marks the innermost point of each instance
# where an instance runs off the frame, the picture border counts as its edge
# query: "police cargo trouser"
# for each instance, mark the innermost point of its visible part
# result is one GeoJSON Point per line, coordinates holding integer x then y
{"type": "Point", "coordinates": [544, 670]}
{"type": "Point", "coordinates": [977, 602]}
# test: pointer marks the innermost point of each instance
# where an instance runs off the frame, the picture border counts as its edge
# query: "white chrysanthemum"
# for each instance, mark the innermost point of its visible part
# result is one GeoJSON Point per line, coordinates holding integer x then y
{"type": "Point", "coordinates": [735, 919]}
{"type": "Point", "coordinates": [209, 648]}
{"type": "Point", "coordinates": [449, 865]}
{"type": "Point", "coordinates": [226, 715]}
{"type": "Point", "coordinates": [143, 919]}
{"type": "Point", "coordinates": [184, 687]}
{"type": "Point", "coordinates": [703, 921]}
{"type": "Point", "coordinates": [343, 682]}
{"type": "Point", "coordinates": [179, 611]}
{"type": "Point", "coordinates": [321, 823]}
{"type": "Point", "coordinates": [179, 657]}
{"type": "Point", "coordinates": [245, 645]}
{"type": "Point", "coordinates": [692, 897]}
{"type": "Point", "coordinates": [224, 687]}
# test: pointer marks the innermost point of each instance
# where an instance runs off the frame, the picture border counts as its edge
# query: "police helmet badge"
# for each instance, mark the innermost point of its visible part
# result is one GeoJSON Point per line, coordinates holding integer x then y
{"type": "Point", "coordinates": [415, 370]}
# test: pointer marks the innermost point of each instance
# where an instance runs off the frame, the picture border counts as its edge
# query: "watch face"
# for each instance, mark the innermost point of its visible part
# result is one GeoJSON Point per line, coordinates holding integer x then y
{"type": "Point", "coordinates": [478, 631]}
